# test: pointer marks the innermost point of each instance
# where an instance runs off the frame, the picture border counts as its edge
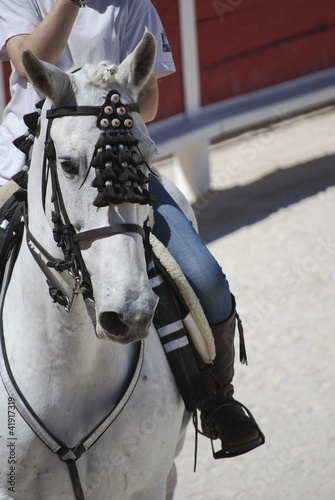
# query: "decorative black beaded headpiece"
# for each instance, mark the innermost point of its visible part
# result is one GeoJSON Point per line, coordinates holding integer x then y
{"type": "Point", "coordinates": [117, 159]}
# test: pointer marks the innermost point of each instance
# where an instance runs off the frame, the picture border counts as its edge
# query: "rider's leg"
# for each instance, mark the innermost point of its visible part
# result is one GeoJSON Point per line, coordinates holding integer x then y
{"type": "Point", "coordinates": [203, 272]}
{"type": "Point", "coordinates": [223, 416]}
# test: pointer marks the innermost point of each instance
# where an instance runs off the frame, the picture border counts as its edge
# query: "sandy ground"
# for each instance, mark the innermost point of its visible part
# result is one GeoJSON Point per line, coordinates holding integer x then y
{"type": "Point", "coordinates": [270, 224]}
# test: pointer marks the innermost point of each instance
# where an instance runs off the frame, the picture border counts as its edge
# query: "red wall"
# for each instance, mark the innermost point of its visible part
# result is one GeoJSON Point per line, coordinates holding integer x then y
{"type": "Point", "coordinates": [171, 87]}
{"type": "Point", "coordinates": [245, 45]}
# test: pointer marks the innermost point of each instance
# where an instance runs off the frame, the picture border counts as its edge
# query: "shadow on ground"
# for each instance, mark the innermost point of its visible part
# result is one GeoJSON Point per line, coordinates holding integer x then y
{"type": "Point", "coordinates": [222, 212]}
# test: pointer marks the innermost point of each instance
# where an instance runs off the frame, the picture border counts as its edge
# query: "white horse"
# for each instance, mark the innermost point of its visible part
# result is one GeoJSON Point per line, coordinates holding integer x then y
{"type": "Point", "coordinates": [69, 376]}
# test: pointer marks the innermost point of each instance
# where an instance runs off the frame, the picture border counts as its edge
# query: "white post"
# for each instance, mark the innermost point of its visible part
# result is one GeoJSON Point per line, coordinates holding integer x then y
{"type": "Point", "coordinates": [190, 59]}
{"type": "Point", "coordinates": [2, 91]}
{"type": "Point", "coordinates": [192, 170]}
{"type": "Point", "coordinates": [191, 163]}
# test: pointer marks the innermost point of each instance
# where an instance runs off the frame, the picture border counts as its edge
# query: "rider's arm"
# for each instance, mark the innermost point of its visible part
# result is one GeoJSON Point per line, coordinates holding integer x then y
{"type": "Point", "coordinates": [48, 39]}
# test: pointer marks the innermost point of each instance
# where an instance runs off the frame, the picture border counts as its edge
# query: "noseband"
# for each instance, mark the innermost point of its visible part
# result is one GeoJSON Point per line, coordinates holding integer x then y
{"type": "Point", "coordinates": [119, 178]}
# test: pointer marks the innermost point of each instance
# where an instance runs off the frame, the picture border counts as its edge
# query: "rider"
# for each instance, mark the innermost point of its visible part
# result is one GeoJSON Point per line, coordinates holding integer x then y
{"type": "Point", "coordinates": [62, 33]}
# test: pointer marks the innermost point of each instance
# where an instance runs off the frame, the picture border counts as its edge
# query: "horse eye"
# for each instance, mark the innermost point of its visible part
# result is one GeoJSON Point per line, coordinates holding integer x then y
{"type": "Point", "coordinates": [69, 168]}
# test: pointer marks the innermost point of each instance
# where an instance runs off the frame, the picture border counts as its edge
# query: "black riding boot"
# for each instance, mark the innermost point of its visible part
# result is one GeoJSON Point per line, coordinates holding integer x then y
{"type": "Point", "coordinates": [222, 416]}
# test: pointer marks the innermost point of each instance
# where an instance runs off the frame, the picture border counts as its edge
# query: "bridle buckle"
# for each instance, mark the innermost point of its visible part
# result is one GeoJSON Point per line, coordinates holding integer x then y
{"type": "Point", "coordinates": [76, 289]}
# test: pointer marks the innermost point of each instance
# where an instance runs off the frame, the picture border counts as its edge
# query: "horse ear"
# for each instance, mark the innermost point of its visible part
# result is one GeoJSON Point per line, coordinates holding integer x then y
{"type": "Point", "coordinates": [48, 79]}
{"type": "Point", "coordinates": [136, 69]}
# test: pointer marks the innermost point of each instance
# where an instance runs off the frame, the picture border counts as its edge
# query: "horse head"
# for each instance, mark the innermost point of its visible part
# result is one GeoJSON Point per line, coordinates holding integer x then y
{"type": "Point", "coordinates": [98, 173]}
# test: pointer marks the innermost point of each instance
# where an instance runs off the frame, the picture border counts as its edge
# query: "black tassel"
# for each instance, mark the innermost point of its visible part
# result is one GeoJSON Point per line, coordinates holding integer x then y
{"type": "Point", "coordinates": [21, 195]}
{"type": "Point", "coordinates": [98, 181]}
{"type": "Point", "coordinates": [124, 156]}
{"type": "Point", "coordinates": [146, 197]}
{"type": "Point", "coordinates": [118, 175]}
{"type": "Point", "coordinates": [24, 142]}
{"type": "Point", "coordinates": [32, 120]}
{"type": "Point", "coordinates": [108, 174]}
{"type": "Point", "coordinates": [99, 201]}
{"type": "Point", "coordinates": [243, 351]}
{"type": "Point", "coordinates": [21, 178]}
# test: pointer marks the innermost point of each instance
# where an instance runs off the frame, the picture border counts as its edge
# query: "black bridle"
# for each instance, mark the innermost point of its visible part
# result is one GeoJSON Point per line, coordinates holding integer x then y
{"type": "Point", "coordinates": [68, 240]}
{"type": "Point", "coordinates": [64, 232]}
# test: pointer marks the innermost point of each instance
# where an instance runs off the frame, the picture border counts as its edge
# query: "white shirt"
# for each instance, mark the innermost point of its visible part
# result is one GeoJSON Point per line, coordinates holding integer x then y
{"type": "Point", "coordinates": [104, 30]}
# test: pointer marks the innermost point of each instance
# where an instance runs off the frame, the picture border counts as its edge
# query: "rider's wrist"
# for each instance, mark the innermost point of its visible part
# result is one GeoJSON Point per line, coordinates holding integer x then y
{"type": "Point", "coordinates": [80, 3]}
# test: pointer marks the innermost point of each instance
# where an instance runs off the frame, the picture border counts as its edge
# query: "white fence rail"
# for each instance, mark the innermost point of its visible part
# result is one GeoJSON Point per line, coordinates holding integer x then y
{"type": "Point", "coordinates": [187, 136]}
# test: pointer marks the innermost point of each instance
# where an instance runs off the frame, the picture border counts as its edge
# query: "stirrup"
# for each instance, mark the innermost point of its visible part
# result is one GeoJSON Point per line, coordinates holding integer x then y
{"type": "Point", "coordinates": [234, 451]}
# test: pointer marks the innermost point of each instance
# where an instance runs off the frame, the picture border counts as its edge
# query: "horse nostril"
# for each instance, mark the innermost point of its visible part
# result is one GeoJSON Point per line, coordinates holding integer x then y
{"type": "Point", "coordinates": [112, 323]}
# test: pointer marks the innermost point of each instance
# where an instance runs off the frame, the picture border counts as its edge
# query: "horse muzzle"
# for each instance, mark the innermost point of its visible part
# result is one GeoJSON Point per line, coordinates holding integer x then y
{"type": "Point", "coordinates": [127, 325]}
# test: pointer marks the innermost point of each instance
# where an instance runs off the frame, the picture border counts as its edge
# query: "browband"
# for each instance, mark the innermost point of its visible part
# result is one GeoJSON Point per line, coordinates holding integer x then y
{"type": "Point", "coordinates": [84, 110]}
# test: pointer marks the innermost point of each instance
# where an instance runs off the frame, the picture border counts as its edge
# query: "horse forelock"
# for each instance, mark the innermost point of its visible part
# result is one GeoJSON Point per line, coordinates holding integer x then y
{"type": "Point", "coordinates": [101, 75]}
